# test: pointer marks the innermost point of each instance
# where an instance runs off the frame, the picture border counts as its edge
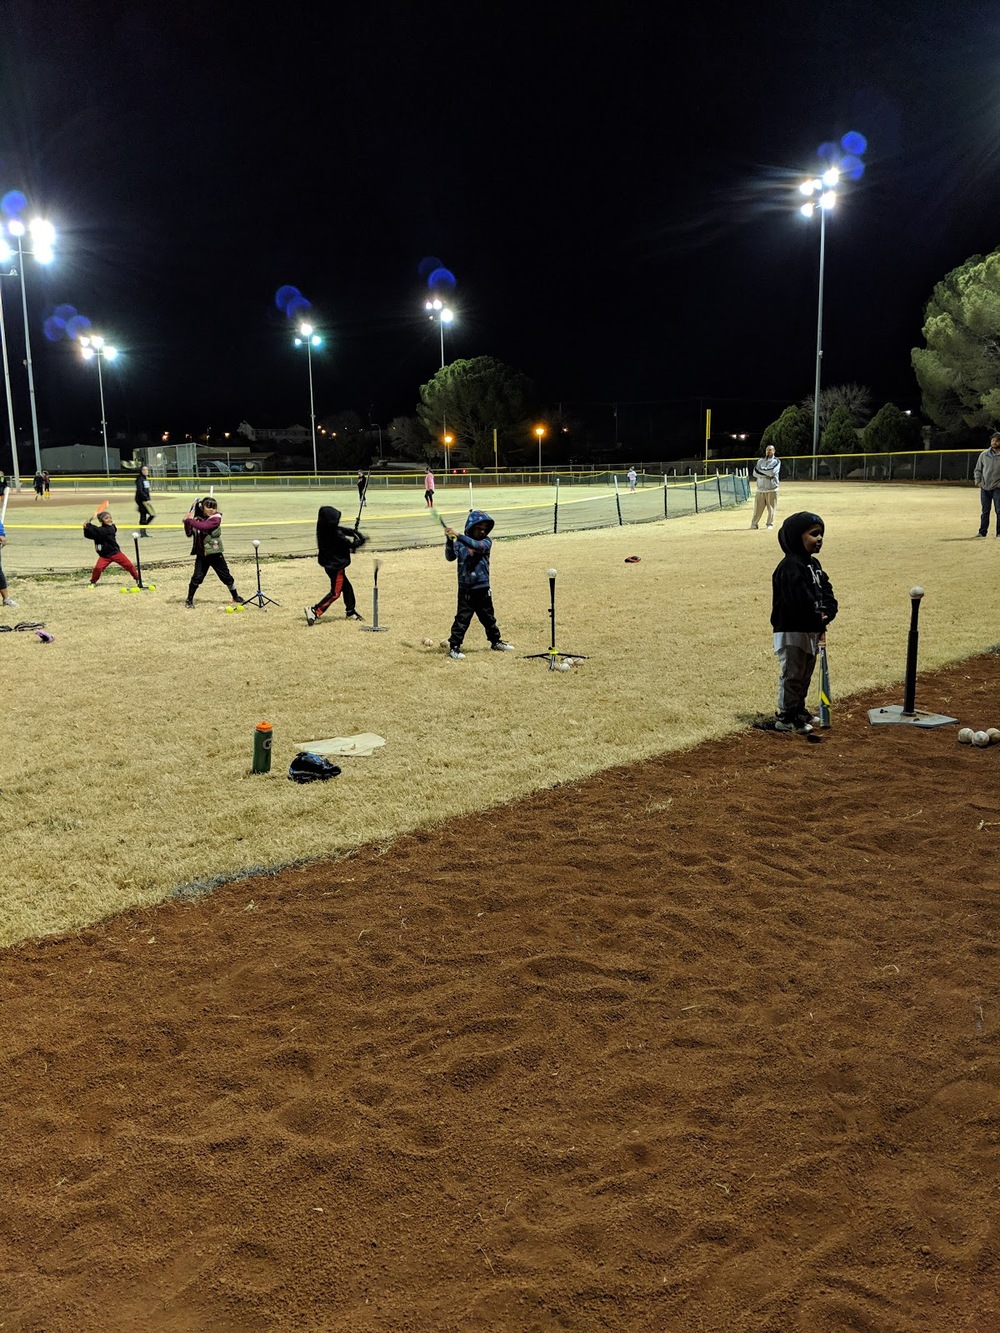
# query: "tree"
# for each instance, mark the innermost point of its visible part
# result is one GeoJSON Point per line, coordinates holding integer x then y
{"type": "Point", "coordinates": [840, 437]}
{"type": "Point", "coordinates": [472, 398]}
{"type": "Point", "coordinates": [959, 369]}
{"type": "Point", "coordinates": [791, 434]}
{"type": "Point", "coordinates": [888, 431]}
{"type": "Point", "coordinates": [409, 440]}
{"type": "Point", "coordinates": [856, 399]}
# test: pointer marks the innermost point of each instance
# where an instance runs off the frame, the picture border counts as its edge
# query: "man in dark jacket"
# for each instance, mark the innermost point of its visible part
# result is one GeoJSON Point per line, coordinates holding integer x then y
{"type": "Point", "coordinates": [802, 605]}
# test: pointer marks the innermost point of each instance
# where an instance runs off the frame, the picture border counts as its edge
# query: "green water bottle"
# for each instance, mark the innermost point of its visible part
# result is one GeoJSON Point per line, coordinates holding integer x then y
{"type": "Point", "coordinates": [262, 748]}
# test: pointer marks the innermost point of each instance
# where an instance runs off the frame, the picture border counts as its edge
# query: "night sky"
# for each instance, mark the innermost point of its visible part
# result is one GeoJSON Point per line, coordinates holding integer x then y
{"type": "Point", "coordinates": [612, 185]}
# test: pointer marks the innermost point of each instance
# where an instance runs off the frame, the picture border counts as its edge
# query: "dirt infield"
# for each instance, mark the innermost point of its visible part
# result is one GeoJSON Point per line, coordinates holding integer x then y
{"type": "Point", "coordinates": [705, 1043]}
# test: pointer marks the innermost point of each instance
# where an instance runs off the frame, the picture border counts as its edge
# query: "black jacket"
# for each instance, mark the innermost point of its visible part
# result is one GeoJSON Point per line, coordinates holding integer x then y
{"type": "Point", "coordinates": [336, 544]}
{"type": "Point", "coordinates": [104, 537]}
{"type": "Point", "coordinates": [802, 599]}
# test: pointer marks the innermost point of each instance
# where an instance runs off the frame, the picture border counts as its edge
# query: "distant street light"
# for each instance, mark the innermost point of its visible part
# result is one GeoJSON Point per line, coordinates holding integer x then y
{"type": "Point", "coordinates": [309, 339]}
{"type": "Point", "coordinates": [437, 310]}
{"type": "Point", "coordinates": [94, 348]}
{"type": "Point", "coordinates": [539, 431]}
{"type": "Point", "coordinates": [447, 440]}
{"type": "Point", "coordinates": [43, 237]}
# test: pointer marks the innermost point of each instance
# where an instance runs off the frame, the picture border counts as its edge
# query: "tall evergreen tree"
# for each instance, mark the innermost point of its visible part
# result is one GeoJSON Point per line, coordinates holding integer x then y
{"type": "Point", "coordinates": [840, 437]}
{"type": "Point", "coordinates": [959, 369]}
{"type": "Point", "coordinates": [791, 434]}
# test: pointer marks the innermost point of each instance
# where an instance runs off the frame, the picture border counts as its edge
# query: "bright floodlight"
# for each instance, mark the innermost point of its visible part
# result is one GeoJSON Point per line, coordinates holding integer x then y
{"type": "Point", "coordinates": [806, 187]}
{"type": "Point", "coordinates": [316, 340]}
{"type": "Point", "coordinates": [807, 210]}
{"type": "Point", "coordinates": [436, 304]}
{"type": "Point", "coordinates": [87, 353]}
{"type": "Point", "coordinates": [831, 177]}
{"type": "Point", "coordinates": [43, 232]}
{"type": "Point", "coordinates": [828, 199]}
{"type": "Point", "coordinates": [447, 315]}
{"type": "Point", "coordinates": [16, 227]}
{"type": "Point", "coordinates": [305, 330]}
{"type": "Point", "coordinates": [110, 353]}
{"type": "Point", "coordinates": [97, 340]}
{"type": "Point", "coordinates": [6, 253]}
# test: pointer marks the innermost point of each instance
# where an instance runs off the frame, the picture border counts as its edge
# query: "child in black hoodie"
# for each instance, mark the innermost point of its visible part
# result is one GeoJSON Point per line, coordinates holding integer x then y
{"type": "Point", "coordinates": [802, 606]}
{"type": "Point", "coordinates": [101, 530]}
{"type": "Point", "coordinates": [336, 546]}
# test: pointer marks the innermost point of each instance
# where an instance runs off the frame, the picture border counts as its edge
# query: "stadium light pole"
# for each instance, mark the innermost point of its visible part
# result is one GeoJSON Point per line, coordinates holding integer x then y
{"type": "Point", "coordinates": [822, 192]}
{"type": "Point", "coordinates": [437, 310]}
{"type": "Point", "coordinates": [43, 236]}
{"type": "Point", "coordinates": [94, 348]}
{"type": "Point", "coordinates": [308, 338]}
{"type": "Point", "coordinates": [5, 257]}
{"type": "Point", "coordinates": [539, 431]}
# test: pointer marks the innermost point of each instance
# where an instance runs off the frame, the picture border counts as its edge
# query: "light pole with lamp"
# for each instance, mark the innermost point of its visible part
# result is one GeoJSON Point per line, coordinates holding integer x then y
{"type": "Point", "coordinates": [825, 189]}
{"type": "Point", "coordinates": [309, 339]}
{"type": "Point", "coordinates": [6, 376]}
{"type": "Point", "coordinates": [437, 309]}
{"type": "Point", "coordinates": [43, 236]}
{"type": "Point", "coordinates": [94, 348]}
{"type": "Point", "coordinates": [539, 431]}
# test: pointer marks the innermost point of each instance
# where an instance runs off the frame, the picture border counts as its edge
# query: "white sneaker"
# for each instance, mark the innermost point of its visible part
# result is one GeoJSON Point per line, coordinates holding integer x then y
{"type": "Point", "coordinates": [309, 614]}
{"type": "Point", "coordinates": [501, 647]}
{"type": "Point", "coordinates": [11, 603]}
{"type": "Point", "coordinates": [456, 655]}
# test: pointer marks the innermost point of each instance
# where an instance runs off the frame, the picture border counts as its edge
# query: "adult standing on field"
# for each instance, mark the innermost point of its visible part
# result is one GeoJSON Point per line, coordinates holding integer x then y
{"type": "Point", "coordinates": [766, 472]}
{"type": "Point", "coordinates": [39, 484]}
{"type": "Point", "coordinates": [988, 480]}
{"type": "Point", "coordinates": [143, 499]}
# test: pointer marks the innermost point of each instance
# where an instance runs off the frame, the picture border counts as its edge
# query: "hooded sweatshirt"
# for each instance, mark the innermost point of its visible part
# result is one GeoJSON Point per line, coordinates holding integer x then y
{"type": "Point", "coordinates": [473, 555]}
{"type": "Point", "coordinates": [335, 544]}
{"type": "Point", "coordinates": [802, 596]}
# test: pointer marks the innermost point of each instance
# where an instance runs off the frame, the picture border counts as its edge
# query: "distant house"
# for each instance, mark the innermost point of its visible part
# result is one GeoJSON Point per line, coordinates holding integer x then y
{"type": "Point", "coordinates": [275, 434]}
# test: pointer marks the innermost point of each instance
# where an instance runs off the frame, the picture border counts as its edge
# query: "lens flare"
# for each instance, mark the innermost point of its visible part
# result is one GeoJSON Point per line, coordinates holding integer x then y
{"type": "Point", "coordinates": [442, 279]}
{"type": "Point", "coordinates": [78, 326]}
{"type": "Point", "coordinates": [427, 266]}
{"type": "Point", "coordinates": [13, 203]}
{"type": "Point", "coordinates": [854, 144]}
{"type": "Point", "coordinates": [54, 328]}
{"type": "Point", "coordinates": [852, 167]}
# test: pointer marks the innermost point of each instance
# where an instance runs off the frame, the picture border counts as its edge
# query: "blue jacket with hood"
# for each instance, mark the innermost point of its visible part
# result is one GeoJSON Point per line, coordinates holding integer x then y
{"type": "Point", "coordinates": [473, 555]}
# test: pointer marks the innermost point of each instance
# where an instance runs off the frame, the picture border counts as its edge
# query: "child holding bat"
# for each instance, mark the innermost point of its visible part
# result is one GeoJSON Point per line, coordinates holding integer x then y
{"type": "Point", "coordinates": [203, 523]}
{"type": "Point", "coordinates": [100, 529]}
{"type": "Point", "coordinates": [471, 550]}
{"type": "Point", "coordinates": [802, 607]}
{"type": "Point", "coordinates": [336, 546]}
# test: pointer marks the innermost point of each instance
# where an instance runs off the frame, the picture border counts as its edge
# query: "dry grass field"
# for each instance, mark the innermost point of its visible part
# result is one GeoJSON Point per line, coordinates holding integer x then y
{"type": "Point", "coordinates": [126, 771]}
{"type": "Point", "coordinates": [704, 1041]}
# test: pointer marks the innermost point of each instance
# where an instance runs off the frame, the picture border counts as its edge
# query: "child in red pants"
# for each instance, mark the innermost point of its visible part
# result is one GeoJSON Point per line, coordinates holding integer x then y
{"type": "Point", "coordinates": [101, 530]}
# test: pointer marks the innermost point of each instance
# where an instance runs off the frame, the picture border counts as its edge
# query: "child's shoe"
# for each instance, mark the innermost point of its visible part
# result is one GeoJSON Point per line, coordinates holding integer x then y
{"type": "Point", "coordinates": [353, 615]}
{"type": "Point", "coordinates": [189, 603]}
{"type": "Point", "coordinates": [11, 603]}
{"type": "Point", "coordinates": [456, 655]}
{"type": "Point", "coordinates": [309, 614]}
{"type": "Point", "coordinates": [501, 647]}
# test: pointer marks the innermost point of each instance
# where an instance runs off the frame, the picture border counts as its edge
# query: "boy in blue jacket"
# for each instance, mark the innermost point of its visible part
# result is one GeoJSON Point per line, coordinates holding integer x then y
{"type": "Point", "coordinates": [802, 606]}
{"type": "Point", "coordinates": [471, 550]}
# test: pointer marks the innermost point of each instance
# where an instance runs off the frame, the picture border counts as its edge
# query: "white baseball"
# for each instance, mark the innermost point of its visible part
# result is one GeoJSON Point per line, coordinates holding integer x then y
{"type": "Point", "coordinates": [994, 734]}
{"type": "Point", "coordinates": [428, 643]}
{"type": "Point", "coordinates": [965, 736]}
{"type": "Point", "coordinates": [563, 666]}
{"type": "Point", "coordinates": [980, 738]}
{"type": "Point", "coordinates": [551, 573]}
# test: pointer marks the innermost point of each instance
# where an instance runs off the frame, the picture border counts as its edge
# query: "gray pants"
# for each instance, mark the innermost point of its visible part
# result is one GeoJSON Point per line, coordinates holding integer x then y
{"type": "Point", "coordinates": [764, 500]}
{"type": "Point", "coordinates": [797, 666]}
